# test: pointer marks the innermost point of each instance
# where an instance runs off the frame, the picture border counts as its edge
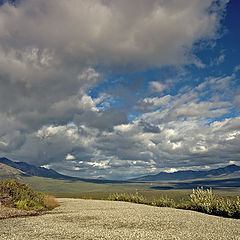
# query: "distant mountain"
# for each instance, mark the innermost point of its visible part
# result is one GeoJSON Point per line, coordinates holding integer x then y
{"type": "Point", "coordinates": [31, 170]}
{"type": "Point", "coordinates": [189, 174]}
{"type": "Point", "coordinates": [11, 169]}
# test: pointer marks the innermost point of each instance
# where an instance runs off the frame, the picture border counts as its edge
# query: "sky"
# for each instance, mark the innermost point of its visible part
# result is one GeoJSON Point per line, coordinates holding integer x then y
{"type": "Point", "coordinates": [120, 89]}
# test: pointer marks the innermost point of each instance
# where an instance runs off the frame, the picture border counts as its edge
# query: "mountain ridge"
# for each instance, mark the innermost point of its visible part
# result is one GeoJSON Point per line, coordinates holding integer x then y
{"type": "Point", "coordinates": [31, 170]}
{"type": "Point", "coordinates": [190, 174]}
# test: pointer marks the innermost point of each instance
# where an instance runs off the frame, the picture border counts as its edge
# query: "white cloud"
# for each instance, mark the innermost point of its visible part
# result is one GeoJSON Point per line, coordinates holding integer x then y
{"type": "Point", "coordinates": [124, 127]}
{"type": "Point", "coordinates": [156, 87]}
{"type": "Point", "coordinates": [221, 83]}
{"type": "Point", "coordinates": [100, 165]}
{"type": "Point", "coordinates": [70, 157]}
{"type": "Point", "coordinates": [76, 168]}
{"type": "Point", "coordinates": [149, 104]}
{"type": "Point", "coordinates": [171, 170]}
{"type": "Point", "coordinates": [49, 50]}
{"type": "Point", "coordinates": [219, 60]}
{"type": "Point", "coordinates": [48, 166]}
{"type": "Point", "coordinates": [126, 152]}
{"type": "Point", "coordinates": [109, 32]}
{"type": "Point", "coordinates": [237, 68]}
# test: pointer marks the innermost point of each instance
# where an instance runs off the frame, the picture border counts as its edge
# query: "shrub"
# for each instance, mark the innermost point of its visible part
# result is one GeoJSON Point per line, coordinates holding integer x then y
{"type": "Point", "coordinates": [164, 202]}
{"type": "Point", "coordinates": [136, 198]}
{"type": "Point", "coordinates": [23, 197]}
{"type": "Point", "coordinates": [202, 200]}
{"type": "Point", "coordinates": [205, 201]}
{"type": "Point", "coordinates": [127, 197]}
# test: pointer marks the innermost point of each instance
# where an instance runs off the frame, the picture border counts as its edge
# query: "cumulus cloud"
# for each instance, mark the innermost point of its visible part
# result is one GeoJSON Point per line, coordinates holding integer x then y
{"type": "Point", "coordinates": [109, 32]}
{"type": "Point", "coordinates": [48, 49]}
{"type": "Point", "coordinates": [56, 58]}
{"type": "Point", "coordinates": [185, 134]}
{"type": "Point", "coordinates": [69, 157]}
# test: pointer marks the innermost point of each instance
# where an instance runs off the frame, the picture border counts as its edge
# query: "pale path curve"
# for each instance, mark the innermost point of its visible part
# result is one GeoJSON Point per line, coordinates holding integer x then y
{"type": "Point", "coordinates": [95, 219]}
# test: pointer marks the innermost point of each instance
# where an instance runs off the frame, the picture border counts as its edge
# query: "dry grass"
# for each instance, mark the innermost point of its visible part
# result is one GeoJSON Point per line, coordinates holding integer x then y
{"type": "Point", "coordinates": [51, 202]}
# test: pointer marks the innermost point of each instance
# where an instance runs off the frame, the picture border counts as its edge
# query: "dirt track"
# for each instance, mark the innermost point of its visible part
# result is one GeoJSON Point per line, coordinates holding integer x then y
{"type": "Point", "coordinates": [89, 219]}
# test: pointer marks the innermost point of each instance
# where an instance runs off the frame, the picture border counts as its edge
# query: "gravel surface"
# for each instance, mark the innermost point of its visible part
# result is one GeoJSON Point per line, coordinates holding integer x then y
{"type": "Point", "coordinates": [95, 219]}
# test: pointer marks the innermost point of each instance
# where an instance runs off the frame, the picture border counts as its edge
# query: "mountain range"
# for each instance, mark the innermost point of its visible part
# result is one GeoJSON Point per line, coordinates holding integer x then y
{"type": "Point", "coordinates": [190, 174]}
{"type": "Point", "coordinates": [25, 169]}
{"type": "Point", "coordinates": [31, 170]}
{"type": "Point", "coordinates": [43, 179]}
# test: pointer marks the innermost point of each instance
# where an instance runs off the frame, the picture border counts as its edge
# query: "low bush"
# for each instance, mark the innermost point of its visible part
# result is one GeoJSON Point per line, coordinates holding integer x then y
{"type": "Point", "coordinates": [128, 197]}
{"type": "Point", "coordinates": [205, 201]}
{"type": "Point", "coordinates": [164, 202]}
{"type": "Point", "coordinates": [21, 196]}
{"type": "Point", "coordinates": [200, 200]}
{"type": "Point", "coordinates": [136, 198]}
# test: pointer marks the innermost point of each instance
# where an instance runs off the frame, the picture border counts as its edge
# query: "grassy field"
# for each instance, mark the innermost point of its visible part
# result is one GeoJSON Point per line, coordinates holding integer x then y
{"type": "Point", "coordinates": [81, 189]}
{"type": "Point", "coordinates": [58, 186]}
{"type": "Point", "coordinates": [150, 195]}
{"type": "Point", "coordinates": [88, 190]}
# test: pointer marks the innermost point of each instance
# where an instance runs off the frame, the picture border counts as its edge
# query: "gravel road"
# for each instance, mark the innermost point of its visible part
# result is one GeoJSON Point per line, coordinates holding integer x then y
{"type": "Point", "coordinates": [95, 219]}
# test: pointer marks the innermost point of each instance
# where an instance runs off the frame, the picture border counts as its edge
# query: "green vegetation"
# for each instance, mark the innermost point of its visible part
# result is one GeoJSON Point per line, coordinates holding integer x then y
{"type": "Point", "coordinates": [73, 186]}
{"type": "Point", "coordinates": [21, 196]}
{"type": "Point", "coordinates": [137, 198]}
{"type": "Point", "coordinates": [200, 200]}
{"type": "Point", "coordinates": [128, 197]}
{"type": "Point", "coordinates": [205, 201]}
{"type": "Point", "coordinates": [149, 190]}
{"type": "Point", "coordinates": [150, 195]}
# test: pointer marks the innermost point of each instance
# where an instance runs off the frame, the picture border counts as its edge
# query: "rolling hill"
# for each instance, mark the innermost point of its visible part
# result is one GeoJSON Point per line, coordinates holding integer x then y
{"type": "Point", "coordinates": [9, 172]}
